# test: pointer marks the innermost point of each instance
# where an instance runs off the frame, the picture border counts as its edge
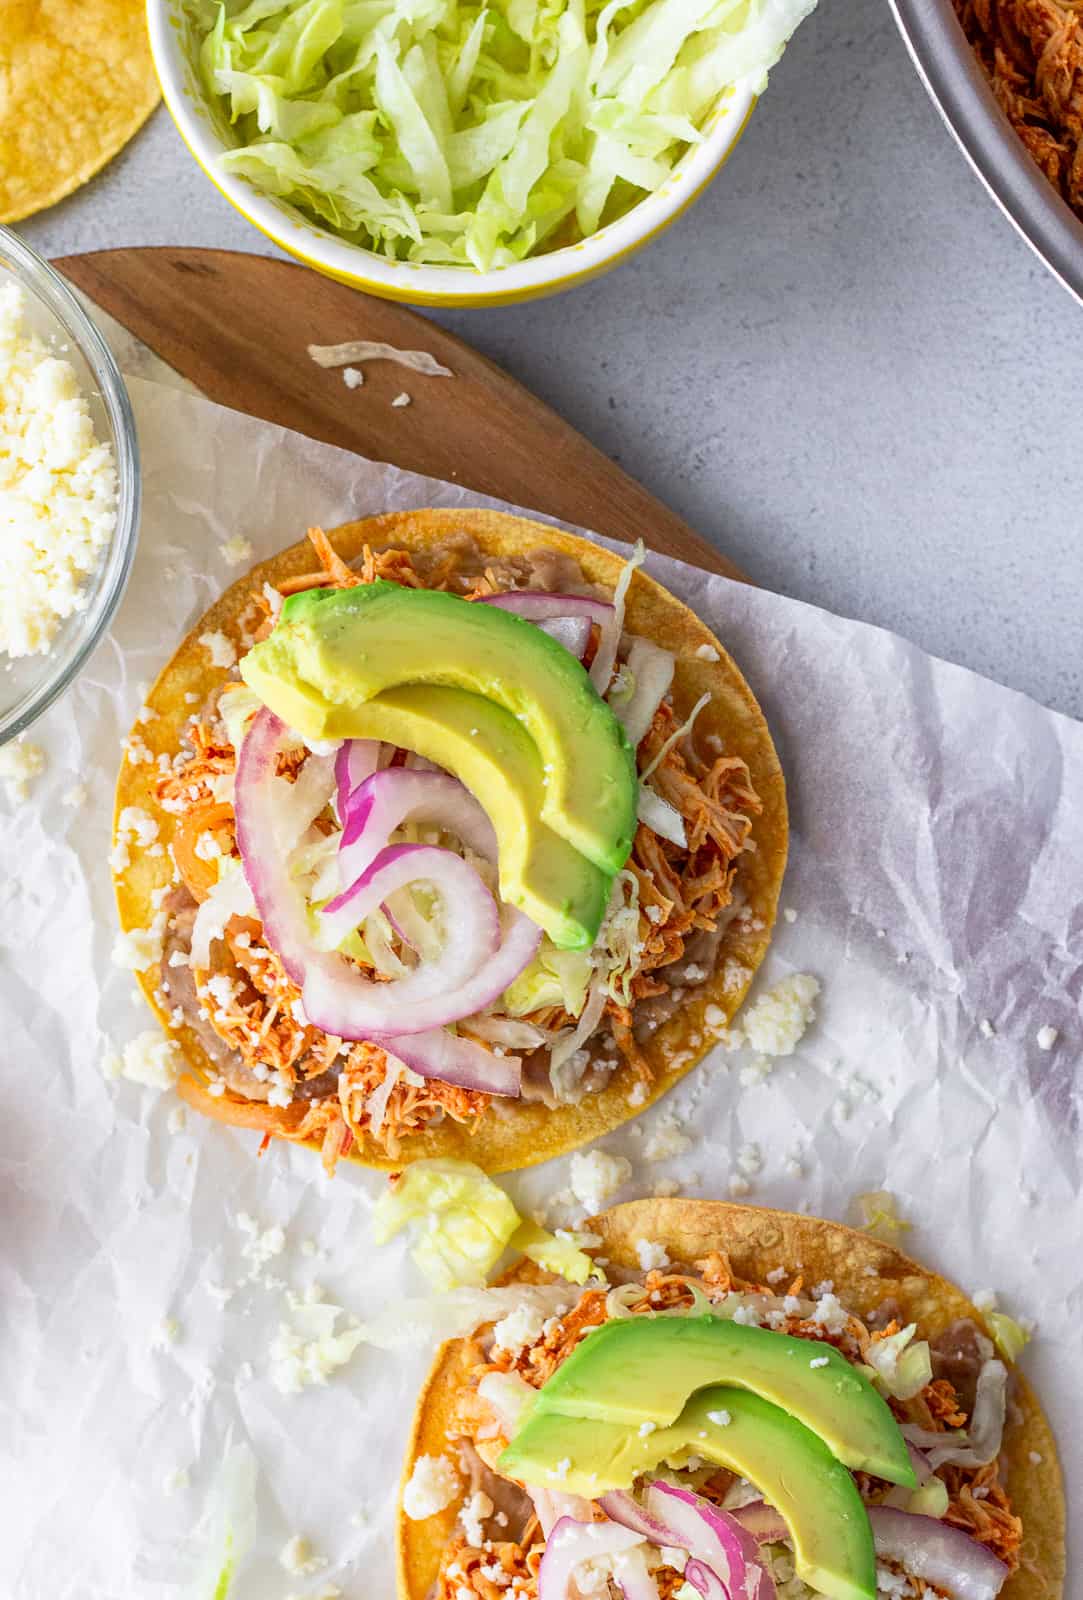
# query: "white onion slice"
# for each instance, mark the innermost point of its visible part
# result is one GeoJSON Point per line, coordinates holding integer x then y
{"type": "Point", "coordinates": [572, 1542]}
{"type": "Point", "coordinates": [705, 1581]}
{"type": "Point", "coordinates": [508, 1032]}
{"type": "Point", "coordinates": [428, 996]}
{"type": "Point", "coordinates": [945, 1556]}
{"type": "Point", "coordinates": [268, 831]}
{"type": "Point", "coordinates": [438, 1053]}
{"type": "Point", "coordinates": [632, 1575]}
{"type": "Point", "coordinates": [924, 1547]}
{"type": "Point", "coordinates": [564, 617]}
{"type": "Point", "coordinates": [981, 1442]}
{"type": "Point", "coordinates": [551, 1506]}
{"type": "Point", "coordinates": [470, 912]}
{"type": "Point", "coordinates": [509, 1396]}
{"type": "Point", "coordinates": [384, 801]}
{"type": "Point", "coordinates": [601, 668]}
{"type": "Point", "coordinates": [661, 818]}
{"type": "Point", "coordinates": [332, 990]}
{"type": "Point", "coordinates": [588, 1022]}
{"type": "Point", "coordinates": [651, 669]}
{"type": "Point", "coordinates": [723, 1555]}
{"type": "Point", "coordinates": [713, 1538]}
{"type": "Point", "coordinates": [357, 759]}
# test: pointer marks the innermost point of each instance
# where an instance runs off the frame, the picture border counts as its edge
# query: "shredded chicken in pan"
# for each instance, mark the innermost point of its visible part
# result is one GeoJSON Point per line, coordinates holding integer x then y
{"type": "Point", "coordinates": [978, 1503]}
{"type": "Point", "coordinates": [334, 1088]}
{"type": "Point", "coordinates": [1032, 53]}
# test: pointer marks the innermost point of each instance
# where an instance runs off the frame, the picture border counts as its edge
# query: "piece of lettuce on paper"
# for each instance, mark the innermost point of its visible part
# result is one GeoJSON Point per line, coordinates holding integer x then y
{"type": "Point", "coordinates": [464, 1222]}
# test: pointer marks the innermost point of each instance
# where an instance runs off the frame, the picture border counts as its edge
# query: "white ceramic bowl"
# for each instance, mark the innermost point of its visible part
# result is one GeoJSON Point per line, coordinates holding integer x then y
{"type": "Point", "coordinates": [206, 131]}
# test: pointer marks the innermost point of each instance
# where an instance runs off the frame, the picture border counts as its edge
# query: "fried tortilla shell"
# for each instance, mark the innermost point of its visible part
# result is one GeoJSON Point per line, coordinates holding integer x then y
{"type": "Point", "coordinates": [865, 1271]}
{"type": "Point", "coordinates": [511, 1134]}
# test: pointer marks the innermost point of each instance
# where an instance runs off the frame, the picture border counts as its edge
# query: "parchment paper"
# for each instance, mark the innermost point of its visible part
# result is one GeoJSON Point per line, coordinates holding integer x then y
{"type": "Point", "coordinates": [936, 870]}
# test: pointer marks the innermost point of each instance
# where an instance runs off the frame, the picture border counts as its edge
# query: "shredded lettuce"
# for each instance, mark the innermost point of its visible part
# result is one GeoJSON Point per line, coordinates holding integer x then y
{"type": "Point", "coordinates": [556, 1252]}
{"type": "Point", "coordinates": [461, 133]}
{"type": "Point", "coordinates": [931, 1500]}
{"type": "Point", "coordinates": [901, 1367]}
{"type": "Point", "coordinates": [231, 1517]}
{"type": "Point", "coordinates": [417, 1323]}
{"type": "Point", "coordinates": [875, 1212]}
{"type": "Point", "coordinates": [464, 1219]}
{"type": "Point", "coordinates": [465, 1222]}
{"type": "Point", "coordinates": [1009, 1336]}
{"type": "Point", "coordinates": [554, 978]}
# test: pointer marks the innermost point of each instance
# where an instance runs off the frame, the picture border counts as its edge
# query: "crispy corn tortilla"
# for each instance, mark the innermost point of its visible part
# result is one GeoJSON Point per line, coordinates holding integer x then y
{"type": "Point", "coordinates": [511, 1134]}
{"type": "Point", "coordinates": [865, 1272]}
{"type": "Point", "coordinates": [76, 82]}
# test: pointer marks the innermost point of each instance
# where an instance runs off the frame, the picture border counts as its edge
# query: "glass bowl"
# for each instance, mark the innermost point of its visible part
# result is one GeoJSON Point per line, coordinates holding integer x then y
{"type": "Point", "coordinates": [28, 684]}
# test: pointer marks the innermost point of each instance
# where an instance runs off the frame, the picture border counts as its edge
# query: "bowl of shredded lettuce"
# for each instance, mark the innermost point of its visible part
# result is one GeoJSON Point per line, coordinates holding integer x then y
{"type": "Point", "coordinates": [464, 152]}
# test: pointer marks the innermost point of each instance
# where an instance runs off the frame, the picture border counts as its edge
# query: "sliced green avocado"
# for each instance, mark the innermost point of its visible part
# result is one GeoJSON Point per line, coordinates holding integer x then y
{"type": "Point", "coordinates": [488, 751]}
{"type": "Point", "coordinates": [638, 1370]}
{"type": "Point", "coordinates": [334, 649]}
{"type": "Point", "coordinates": [793, 1469]}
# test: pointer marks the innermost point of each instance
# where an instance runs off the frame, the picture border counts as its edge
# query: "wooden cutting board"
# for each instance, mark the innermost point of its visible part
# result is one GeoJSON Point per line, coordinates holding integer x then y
{"type": "Point", "coordinates": [238, 327]}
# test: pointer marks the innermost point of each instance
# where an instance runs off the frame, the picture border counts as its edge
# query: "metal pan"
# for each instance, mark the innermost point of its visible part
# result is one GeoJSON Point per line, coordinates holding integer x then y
{"type": "Point", "coordinates": [959, 90]}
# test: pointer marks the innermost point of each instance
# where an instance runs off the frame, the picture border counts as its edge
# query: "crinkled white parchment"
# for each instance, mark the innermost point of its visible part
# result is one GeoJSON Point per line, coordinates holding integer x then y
{"type": "Point", "coordinates": [936, 871]}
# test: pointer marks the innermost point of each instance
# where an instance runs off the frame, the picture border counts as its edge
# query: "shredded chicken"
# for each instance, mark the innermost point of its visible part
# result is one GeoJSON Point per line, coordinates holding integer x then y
{"type": "Point", "coordinates": [682, 892]}
{"type": "Point", "coordinates": [978, 1502]}
{"type": "Point", "coordinates": [1032, 54]}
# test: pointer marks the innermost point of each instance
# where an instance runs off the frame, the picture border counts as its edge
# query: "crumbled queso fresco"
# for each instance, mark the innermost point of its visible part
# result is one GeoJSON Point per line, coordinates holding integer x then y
{"type": "Point", "coordinates": [433, 1484]}
{"type": "Point", "coordinates": [58, 486]}
{"type": "Point", "coordinates": [777, 1021]}
{"type": "Point", "coordinates": [20, 764]}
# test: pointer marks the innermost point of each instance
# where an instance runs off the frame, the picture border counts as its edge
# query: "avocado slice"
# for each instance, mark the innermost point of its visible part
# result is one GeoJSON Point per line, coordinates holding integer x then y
{"type": "Point", "coordinates": [795, 1471]}
{"type": "Point", "coordinates": [636, 1370]}
{"type": "Point", "coordinates": [489, 752]}
{"type": "Point", "coordinates": [333, 650]}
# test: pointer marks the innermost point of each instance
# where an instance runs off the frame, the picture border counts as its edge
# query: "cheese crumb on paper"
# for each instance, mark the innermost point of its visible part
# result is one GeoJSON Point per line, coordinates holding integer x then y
{"type": "Point", "coordinates": [666, 1141]}
{"type": "Point", "coordinates": [20, 764]}
{"type": "Point", "coordinates": [236, 550]}
{"type": "Point", "coordinates": [596, 1176]}
{"type": "Point", "coordinates": [151, 1058]}
{"type": "Point", "coordinates": [58, 486]}
{"type": "Point", "coordinates": [296, 1556]}
{"type": "Point", "coordinates": [140, 948]}
{"type": "Point", "coordinates": [778, 1019]}
{"type": "Point", "coordinates": [309, 1348]}
{"type": "Point", "coordinates": [400, 400]}
{"type": "Point", "coordinates": [1047, 1037]}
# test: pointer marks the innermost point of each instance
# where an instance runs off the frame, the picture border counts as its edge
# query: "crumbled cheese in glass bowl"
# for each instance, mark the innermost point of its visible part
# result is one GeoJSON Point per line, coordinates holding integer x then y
{"type": "Point", "coordinates": [69, 486]}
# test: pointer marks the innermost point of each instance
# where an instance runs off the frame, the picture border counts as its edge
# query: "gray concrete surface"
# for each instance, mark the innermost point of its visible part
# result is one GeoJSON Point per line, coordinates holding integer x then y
{"type": "Point", "coordinates": [842, 366]}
